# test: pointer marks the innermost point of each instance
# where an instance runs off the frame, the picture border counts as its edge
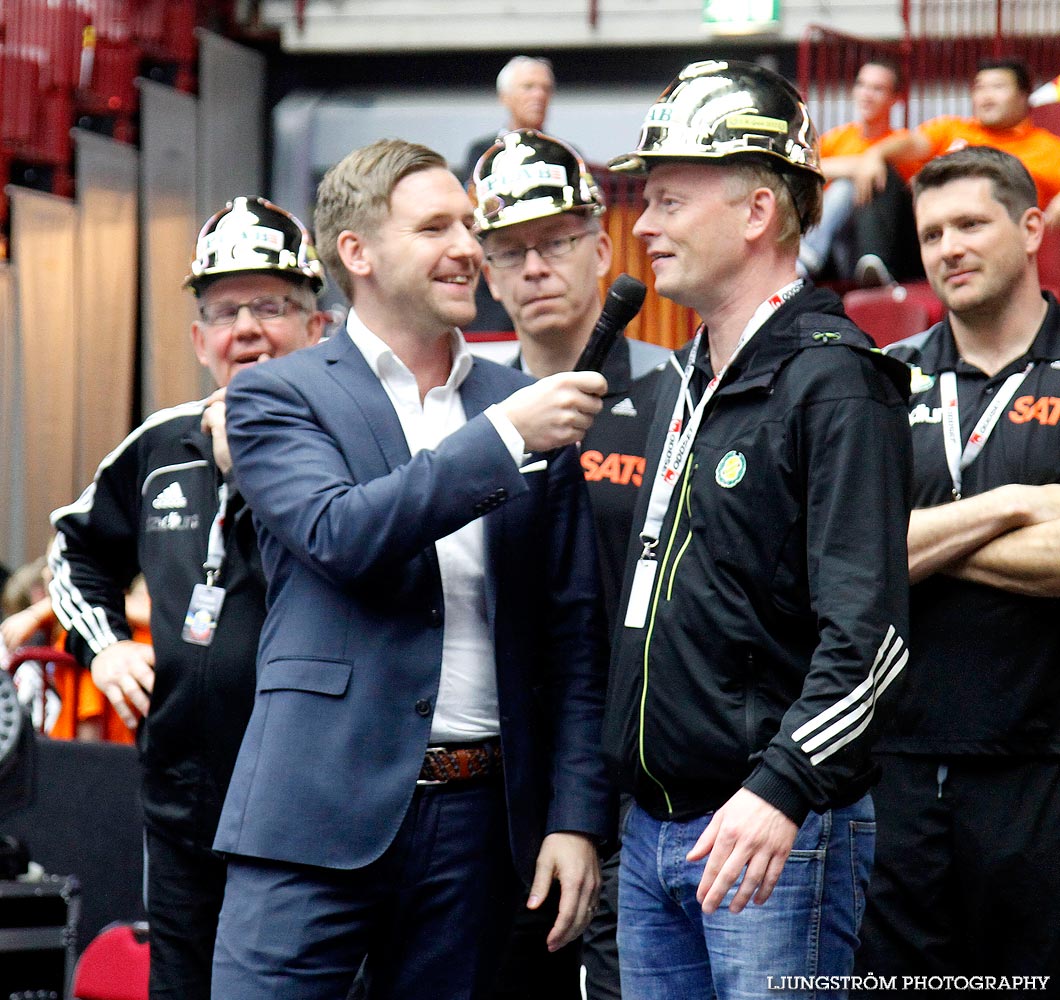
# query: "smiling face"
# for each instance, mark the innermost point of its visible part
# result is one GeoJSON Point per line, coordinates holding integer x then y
{"type": "Point", "coordinates": [551, 298]}
{"type": "Point", "coordinates": [224, 349]}
{"type": "Point", "coordinates": [693, 229]}
{"type": "Point", "coordinates": [416, 273]}
{"type": "Point", "coordinates": [974, 252]}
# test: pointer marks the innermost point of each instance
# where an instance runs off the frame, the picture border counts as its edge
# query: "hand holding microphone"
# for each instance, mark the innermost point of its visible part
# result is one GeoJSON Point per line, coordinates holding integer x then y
{"type": "Point", "coordinates": [556, 410]}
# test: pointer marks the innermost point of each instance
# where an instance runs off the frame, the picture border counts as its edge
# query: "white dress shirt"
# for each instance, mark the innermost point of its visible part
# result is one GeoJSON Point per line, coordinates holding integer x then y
{"type": "Point", "coordinates": [466, 708]}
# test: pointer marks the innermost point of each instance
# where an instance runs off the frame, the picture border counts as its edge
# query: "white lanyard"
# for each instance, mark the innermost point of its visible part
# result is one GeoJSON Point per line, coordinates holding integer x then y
{"type": "Point", "coordinates": [957, 458]}
{"type": "Point", "coordinates": [215, 547]}
{"type": "Point", "coordinates": [679, 436]}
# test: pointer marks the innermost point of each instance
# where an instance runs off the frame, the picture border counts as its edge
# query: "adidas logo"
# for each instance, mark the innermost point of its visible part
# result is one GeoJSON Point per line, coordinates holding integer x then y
{"type": "Point", "coordinates": [625, 408]}
{"type": "Point", "coordinates": [171, 498]}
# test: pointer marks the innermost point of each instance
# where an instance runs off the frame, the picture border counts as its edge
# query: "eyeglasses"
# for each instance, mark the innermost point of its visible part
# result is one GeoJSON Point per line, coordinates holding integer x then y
{"type": "Point", "coordinates": [548, 250]}
{"type": "Point", "coordinates": [263, 308]}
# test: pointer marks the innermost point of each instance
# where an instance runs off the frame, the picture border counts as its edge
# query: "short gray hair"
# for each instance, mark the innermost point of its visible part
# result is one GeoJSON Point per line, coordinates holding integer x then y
{"type": "Point", "coordinates": [504, 77]}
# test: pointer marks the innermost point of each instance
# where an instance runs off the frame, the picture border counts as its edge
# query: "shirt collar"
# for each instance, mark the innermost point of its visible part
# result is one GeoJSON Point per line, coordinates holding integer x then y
{"type": "Point", "coordinates": [1045, 347]}
{"type": "Point", "coordinates": [385, 363]}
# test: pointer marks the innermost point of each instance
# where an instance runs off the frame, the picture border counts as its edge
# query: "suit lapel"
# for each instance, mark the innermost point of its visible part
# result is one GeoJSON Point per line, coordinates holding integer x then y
{"type": "Point", "coordinates": [346, 365]}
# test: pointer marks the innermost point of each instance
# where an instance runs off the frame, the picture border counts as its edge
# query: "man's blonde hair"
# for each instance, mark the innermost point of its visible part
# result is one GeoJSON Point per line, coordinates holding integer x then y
{"type": "Point", "coordinates": [797, 194]}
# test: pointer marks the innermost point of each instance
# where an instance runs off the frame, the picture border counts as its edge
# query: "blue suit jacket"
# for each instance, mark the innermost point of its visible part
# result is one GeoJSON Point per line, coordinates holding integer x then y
{"type": "Point", "coordinates": [350, 654]}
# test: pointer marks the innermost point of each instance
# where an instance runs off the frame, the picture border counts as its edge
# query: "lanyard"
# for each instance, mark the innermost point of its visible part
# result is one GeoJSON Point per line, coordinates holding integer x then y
{"type": "Point", "coordinates": [215, 547]}
{"type": "Point", "coordinates": [679, 435]}
{"type": "Point", "coordinates": [958, 459]}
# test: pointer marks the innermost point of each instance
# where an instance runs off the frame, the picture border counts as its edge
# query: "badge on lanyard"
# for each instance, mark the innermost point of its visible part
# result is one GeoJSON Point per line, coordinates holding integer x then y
{"type": "Point", "coordinates": [640, 593]}
{"type": "Point", "coordinates": [200, 622]}
{"type": "Point", "coordinates": [677, 447]}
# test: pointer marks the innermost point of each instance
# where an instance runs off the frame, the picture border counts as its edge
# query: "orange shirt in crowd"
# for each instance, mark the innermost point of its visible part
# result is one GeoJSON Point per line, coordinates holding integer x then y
{"type": "Point", "coordinates": [850, 140]}
{"type": "Point", "coordinates": [1037, 148]}
{"type": "Point", "coordinates": [83, 702]}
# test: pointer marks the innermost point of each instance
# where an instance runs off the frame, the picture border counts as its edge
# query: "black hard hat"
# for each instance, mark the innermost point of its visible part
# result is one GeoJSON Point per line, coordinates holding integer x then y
{"type": "Point", "coordinates": [528, 175]}
{"type": "Point", "coordinates": [252, 235]}
{"type": "Point", "coordinates": [714, 110]}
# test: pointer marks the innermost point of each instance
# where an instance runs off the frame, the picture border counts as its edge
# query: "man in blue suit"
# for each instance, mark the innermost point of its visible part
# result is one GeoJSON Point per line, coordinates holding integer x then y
{"type": "Point", "coordinates": [426, 727]}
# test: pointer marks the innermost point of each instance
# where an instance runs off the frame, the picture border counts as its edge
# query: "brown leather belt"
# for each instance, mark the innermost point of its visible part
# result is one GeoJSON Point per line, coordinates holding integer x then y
{"type": "Point", "coordinates": [442, 765]}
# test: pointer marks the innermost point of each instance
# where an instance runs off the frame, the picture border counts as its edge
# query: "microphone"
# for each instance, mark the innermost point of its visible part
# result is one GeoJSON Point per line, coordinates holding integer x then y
{"type": "Point", "coordinates": [623, 302]}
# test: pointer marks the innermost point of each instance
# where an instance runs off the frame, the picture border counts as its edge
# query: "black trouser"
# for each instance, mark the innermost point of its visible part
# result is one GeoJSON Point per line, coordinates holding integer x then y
{"type": "Point", "coordinates": [185, 887]}
{"type": "Point", "coordinates": [967, 873]}
{"type": "Point", "coordinates": [529, 971]}
{"type": "Point", "coordinates": [886, 227]}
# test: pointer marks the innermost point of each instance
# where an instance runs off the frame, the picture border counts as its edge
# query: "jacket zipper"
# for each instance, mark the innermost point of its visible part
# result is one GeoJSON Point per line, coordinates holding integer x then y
{"type": "Point", "coordinates": [660, 576]}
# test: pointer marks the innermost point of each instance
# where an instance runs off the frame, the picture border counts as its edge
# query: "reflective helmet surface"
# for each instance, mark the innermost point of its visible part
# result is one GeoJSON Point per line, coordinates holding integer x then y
{"type": "Point", "coordinates": [714, 110]}
{"type": "Point", "coordinates": [527, 175]}
{"type": "Point", "coordinates": [253, 235]}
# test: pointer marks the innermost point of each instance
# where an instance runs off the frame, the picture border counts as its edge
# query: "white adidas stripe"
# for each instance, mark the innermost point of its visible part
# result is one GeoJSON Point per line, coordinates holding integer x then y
{"type": "Point", "coordinates": [891, 658]}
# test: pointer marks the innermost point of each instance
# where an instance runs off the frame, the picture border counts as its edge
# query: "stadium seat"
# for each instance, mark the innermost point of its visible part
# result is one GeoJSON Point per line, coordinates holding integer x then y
{"type": "Point", "coordinates": [890, 314]}
{"type": "Point", "coordinates": [115, 965]}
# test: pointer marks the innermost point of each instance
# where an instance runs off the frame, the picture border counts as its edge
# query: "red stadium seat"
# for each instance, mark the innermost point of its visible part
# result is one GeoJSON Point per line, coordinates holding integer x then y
{"type": "Point", "coordinates": [115, 965]}
{"type": "Point", "coordinates": [889, 314]}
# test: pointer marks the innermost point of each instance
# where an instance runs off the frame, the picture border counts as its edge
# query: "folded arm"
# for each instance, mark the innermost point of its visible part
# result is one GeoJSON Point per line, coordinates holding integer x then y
{"type": "Point", "coordinates": [1025, 561]}
{"type": "Point", "coordinates": [944, 539]}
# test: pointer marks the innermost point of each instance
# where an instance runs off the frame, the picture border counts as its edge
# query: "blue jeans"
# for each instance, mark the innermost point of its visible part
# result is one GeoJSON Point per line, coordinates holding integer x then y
{"type": "Point", "coordinates": [833, 235]}
{"type": "Point", "coordinates": [670, 950]}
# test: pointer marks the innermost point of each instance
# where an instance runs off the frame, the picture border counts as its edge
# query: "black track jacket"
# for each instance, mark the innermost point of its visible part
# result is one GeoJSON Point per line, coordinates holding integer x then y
{"type": "Point", "coordinates": [775, 637]}
{"type": "Point", "coordinates": [149, 509]}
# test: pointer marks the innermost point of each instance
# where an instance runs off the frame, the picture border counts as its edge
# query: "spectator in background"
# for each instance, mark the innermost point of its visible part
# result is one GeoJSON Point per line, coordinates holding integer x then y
{"type": "Point", "coordinates": [968, 825]}
{"type": "Point", "coordinates": [524, 86]}
{"type": "Point", "coordinates": [866, 228]}
{"type": "Point", "coordinates": [1000, 118]}
{"type": "Point", "coordinates": [27, 608]}
{"type": "Point", "coordinates": [73, 707]}
{"type": "Point", "coordinates": [546, 252]}
{"type": "Point", "coordinates": [161, 503]}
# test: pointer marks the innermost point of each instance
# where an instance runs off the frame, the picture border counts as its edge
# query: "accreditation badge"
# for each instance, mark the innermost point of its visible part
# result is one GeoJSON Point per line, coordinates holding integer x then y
{"type": "Point", "coordinates": [200, 622]}
{"type": "Point", "coordinates": [640, 593]}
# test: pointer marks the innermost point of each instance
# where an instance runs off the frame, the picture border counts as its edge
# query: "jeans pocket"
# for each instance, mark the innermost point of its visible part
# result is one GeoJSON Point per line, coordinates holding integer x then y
{"type": "Point", "coordinates": [862, 852]}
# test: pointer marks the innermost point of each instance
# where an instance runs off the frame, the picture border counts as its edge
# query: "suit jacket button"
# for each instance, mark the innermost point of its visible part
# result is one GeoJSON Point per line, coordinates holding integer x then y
{"type": "Point", "coordinates": [435, 617]}
{"type": "Point", "coordinates": [423, 707]}
{"type": "Point", "coordinates": [501, 494]}
{"type": "Point", "coordinates": [479, 508]}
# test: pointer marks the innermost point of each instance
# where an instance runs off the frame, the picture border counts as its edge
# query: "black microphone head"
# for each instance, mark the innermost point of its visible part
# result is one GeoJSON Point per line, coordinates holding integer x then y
{"type": "Point", "coordinates": [630, 291]}
{"type": "Point", "coordinates": [623, 302]}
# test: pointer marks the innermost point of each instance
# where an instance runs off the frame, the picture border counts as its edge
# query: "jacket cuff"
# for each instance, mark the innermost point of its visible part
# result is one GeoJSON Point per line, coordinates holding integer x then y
{"type": "Point", "coordinates": [779, 792]}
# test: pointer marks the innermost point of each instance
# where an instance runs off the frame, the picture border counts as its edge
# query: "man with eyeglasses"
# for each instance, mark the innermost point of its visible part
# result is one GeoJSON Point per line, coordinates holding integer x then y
{"type": "Point", "coordinates": [538, 217]}
{"type": "Point", "coordinates": [545, 253]}
{"type": "Point", "coordinates": [162, 504]}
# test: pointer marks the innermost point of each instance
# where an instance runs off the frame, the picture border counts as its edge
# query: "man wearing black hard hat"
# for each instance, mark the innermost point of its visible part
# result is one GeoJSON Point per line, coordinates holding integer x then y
{"type": "Point", "coordinates": [161, 504]}
{"type": "Point", "coordinates": [766, 602]}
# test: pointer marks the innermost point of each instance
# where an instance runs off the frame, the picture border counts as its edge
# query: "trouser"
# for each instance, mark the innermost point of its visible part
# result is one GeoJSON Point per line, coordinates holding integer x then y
{"type": "Point", "coordinates": [883, 226]}
{"type": "Point", "coordinates": [967, 876]}
{"type": "Point", "coordinates": [669, 949]}
{"type": "Point", "coordinates": [529, 971]}
{"type": "Point", "coordinates": [184, 889]}
{"type": "Point", "coordinates": [427, 918]}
